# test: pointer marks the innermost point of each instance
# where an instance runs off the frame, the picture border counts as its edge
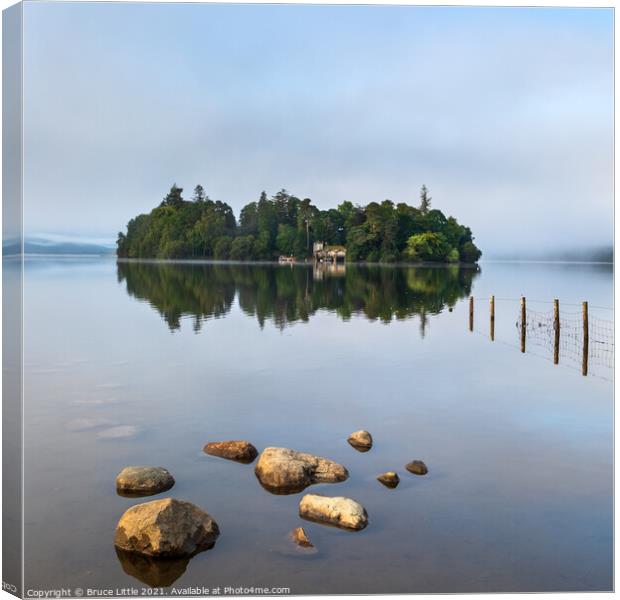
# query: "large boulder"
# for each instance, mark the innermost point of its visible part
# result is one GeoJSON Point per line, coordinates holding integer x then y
{"type": "Point", "coordinates": [167, 528]}
{"type": "Point", "coordinates": [339, 511]}
{"type": "Point", "coordinates": [360, 440]}
{"type": "Point", "coordinates": [284, 471]}
{"type": "Point", "coordinates": [238, 450]}
{"type": "Point", "coordinates": [143, 481]}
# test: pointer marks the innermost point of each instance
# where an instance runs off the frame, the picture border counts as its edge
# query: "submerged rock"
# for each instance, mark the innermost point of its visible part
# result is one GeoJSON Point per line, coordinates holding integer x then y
{"type": "Point", "coordinates": [389, 479]}
{"type": "Point", "coordinates": [417, 467]}
{"type": "Point", "coordinates": [300, 537]}
{"type": "Point", "coordinates": [284, 471]}
{"type": "Point", "coordinates": [118, 432]}
{"type": "Point", "coordinates": [167, 528]}
{"type": "Point", "coordinates": [238, 450]}
{"type": "Point", "coordinates": [142, 481]}
{"type": "Point", "coordinates": [339, 511]}
{"type": "Point", "coordinates": [155, 572]}
{"type": "Point", "coordinates": [361, 440]}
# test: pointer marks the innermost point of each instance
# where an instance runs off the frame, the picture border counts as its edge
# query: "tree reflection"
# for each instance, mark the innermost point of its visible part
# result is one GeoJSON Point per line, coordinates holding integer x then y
{"type": "Point", "coordinates": [286, 294]}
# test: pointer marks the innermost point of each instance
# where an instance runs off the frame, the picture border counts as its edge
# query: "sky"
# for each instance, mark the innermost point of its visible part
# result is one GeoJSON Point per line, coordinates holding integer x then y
{"type": "Point", "coordinates": [505, 114]}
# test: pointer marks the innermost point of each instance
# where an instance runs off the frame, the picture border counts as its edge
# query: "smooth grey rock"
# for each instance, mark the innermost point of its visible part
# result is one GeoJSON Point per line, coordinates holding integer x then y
{"type": "Point", "coordinates": [143, 481]}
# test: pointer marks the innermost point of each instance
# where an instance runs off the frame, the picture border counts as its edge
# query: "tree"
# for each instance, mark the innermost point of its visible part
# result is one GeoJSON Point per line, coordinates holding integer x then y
{"type": "Point", "coordinates": [199, 194]}
{"type": "Point", "coordinates": [241, 247]}
{"type": "Point", "coordinates": [173, 197]}
{"type": "Point", "coordinates": [221, 250]}
{"type": "Point", "coordinates": [425, 200]}
{"type": "Point", "coordinates": [248, 218]}
{"type": "Point", "coordinates": [285, 242]}
{"type": "Point", "coordinates": [267, 227]}
{"type": "Point", "coordinates": [470, 253]}
{"type": "Point", "coordinates": [428, 247]}
{"type": "Point", "coordinates": [304, 216]}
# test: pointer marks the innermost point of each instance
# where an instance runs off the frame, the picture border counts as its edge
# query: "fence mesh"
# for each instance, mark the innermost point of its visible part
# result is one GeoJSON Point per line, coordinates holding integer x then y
{"type": "Point", "coordinates": [540, 331]}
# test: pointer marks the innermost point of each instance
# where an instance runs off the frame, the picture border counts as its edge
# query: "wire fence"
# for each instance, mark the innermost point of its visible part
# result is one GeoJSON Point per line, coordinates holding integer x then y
{"type": "Point", "coordinates": [581, 340]}
{"type": "Point", "coordinates": [596, 349]}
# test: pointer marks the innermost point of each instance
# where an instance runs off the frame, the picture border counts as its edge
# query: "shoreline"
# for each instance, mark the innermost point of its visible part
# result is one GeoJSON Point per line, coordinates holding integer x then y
{"type": "Point", "coordinates": [32, 255]}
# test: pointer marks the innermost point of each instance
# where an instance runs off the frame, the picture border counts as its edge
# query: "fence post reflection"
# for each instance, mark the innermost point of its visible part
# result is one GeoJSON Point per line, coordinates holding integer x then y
{"type": "Point", "coordinates": [523, 323]}
{"type": "Point", "coordinates": [556, 329]}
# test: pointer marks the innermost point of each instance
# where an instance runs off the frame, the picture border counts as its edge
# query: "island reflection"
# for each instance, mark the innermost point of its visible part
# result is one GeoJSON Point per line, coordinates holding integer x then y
{"type": "Point", "coordinates": [285, 295]}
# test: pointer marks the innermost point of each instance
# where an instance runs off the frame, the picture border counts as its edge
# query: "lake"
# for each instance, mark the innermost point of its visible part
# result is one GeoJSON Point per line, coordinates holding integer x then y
{"type": "Point", "coordinates": [143, 363]}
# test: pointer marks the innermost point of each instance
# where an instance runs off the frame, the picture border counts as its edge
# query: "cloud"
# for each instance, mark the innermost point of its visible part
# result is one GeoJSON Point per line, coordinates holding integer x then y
{"type": "Point", "coordinates": [506, 114]}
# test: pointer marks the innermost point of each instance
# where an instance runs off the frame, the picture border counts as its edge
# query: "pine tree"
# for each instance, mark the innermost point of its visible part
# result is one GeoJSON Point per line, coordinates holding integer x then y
{"type": "Point", "coordinates": [199, 194]}
{"type": "Point", "coordinates": [173, 198]}
{"type": "Point", "coordinates": [425, 200]}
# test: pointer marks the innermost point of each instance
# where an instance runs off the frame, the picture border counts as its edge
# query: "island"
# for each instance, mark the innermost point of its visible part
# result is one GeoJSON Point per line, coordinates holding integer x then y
{"type": "Point", "coordinates": [289, 229]}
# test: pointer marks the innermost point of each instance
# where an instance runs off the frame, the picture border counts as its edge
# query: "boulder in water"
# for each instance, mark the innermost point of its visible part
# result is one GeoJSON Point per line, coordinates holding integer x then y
{"type": "Point", "coordinates": [238, 450]}
{"type": "Point", "coordinates": [285, 471]}
{"type": "Point", "coordinates": [389, 479]}
{"type": "Point", "coordinates": [167, 528]}
{"type": "Point", "coordinates": [143, 481]}
{"type": "Point", "coordinates": [417, 467]}
{"type": "Point", "coordinates": [361, 440]}
{"type": "Point", "coordinates": [339, 511]}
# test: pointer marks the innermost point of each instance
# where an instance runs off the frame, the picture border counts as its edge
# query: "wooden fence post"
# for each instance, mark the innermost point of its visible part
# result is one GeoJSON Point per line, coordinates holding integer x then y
{"type": "Point", "coordinates": [556, 327]}
{"type": "Point", "coordinates": [586, 339]}
{"type": "Point", "coordinates": [523, 323]}
{"type": "Point", "coordinates": [492, 309]}
{"type": "Point", "coordinates": [471, 313]}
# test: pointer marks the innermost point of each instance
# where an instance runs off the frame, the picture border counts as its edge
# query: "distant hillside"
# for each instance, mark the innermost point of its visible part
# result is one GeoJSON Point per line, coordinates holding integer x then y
{"type": "Point", "coordinates": [599, 254]}
{"type": "Point", "coordinates": [36, 245]}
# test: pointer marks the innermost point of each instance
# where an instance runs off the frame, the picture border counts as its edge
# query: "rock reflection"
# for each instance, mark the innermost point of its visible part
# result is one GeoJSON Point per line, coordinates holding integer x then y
{"type": "Point", "coordinates": [154, 572]}
{"type": "Point", "coordinates": [286, 294]}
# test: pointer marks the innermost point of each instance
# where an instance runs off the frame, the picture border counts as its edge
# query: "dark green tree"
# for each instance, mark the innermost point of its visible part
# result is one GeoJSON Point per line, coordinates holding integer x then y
{"type": "Point", "coordinates": [425, 200]}
{"type": "Point", "coordinates": [174, 197]}
{"type": "Point", "coordinates": [199, 194]}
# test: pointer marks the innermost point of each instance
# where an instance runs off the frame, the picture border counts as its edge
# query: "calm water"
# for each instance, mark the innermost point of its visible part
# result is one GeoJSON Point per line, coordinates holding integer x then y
{"type": "Point", "coordinates": [143, 363]}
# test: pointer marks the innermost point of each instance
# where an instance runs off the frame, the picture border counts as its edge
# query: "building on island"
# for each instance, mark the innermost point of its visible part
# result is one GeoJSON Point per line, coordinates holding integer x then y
{"type": "Point", "coordinates": [324, 253]}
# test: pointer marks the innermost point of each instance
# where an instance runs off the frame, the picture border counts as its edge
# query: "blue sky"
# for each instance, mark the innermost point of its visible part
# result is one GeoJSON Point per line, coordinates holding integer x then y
{"type": "Point", "coordinates": [506, 114]}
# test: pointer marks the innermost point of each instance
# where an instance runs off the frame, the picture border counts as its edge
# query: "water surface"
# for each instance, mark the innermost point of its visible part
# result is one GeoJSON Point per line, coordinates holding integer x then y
{"type": "Point", "coordinates": [143, 363]}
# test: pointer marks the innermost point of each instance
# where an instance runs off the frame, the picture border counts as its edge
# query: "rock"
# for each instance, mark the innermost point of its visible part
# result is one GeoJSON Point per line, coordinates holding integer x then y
{"type": "Point", "coordinates": [143, 481]}
{"type": "Point", "coordinates": [338, 511]}
{"type": "Point", "coordinates": [238, 450]}
{"type": "Point", "coordinates": [155, 572]}
{"type": "Point", "coordinates": [389, 479]}
{"type": "Point", "coordinates": [417, 467]}
{"type": "Point", "coordinates": [300, 538]}
{"type": "Point", "coordinates": [284, 471]}
{"type": "Point", "coordinates": [360, 440]}
{"type": "Point", "coordinates": [87, 424]}
{"type": "Point", "coordinates": [167, 528]}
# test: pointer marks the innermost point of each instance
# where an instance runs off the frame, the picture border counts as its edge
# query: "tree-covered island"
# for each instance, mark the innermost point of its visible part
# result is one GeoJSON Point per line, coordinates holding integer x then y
{"type": "Point", "coordinates": [284, 225]}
